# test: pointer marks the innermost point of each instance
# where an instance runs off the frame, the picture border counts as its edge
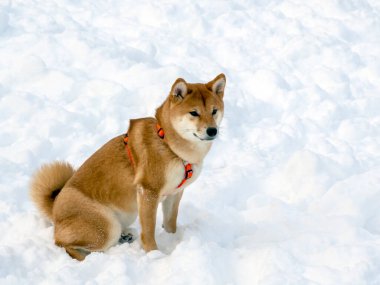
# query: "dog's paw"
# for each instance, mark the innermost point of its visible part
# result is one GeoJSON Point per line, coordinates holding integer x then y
{"type": "Point", "coordinates": [126, 238]}
{"type": "Point", "coordinates": [170, 228]}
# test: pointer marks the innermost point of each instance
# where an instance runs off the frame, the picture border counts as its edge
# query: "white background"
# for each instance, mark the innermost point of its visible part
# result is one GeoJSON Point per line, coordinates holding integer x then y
{"type": "Point", "coordinates": [290, 193]}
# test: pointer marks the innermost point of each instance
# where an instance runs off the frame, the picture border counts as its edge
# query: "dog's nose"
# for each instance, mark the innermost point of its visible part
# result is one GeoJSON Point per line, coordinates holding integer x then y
{"type": "Point", "coordinates": [212, 132]}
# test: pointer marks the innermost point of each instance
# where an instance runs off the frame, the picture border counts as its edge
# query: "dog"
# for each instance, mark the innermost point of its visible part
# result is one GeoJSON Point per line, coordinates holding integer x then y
{"type": "Point", "coordinates": [92, 207]}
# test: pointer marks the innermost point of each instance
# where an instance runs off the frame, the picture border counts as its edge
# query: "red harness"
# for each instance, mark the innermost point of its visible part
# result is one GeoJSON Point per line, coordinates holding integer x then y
{"type": "Point", "coordinates": [161, 134]}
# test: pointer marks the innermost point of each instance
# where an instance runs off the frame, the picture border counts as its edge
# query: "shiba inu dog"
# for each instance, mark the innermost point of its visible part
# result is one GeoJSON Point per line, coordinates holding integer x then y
{"type": "Point", "coordinates": [92, 207]}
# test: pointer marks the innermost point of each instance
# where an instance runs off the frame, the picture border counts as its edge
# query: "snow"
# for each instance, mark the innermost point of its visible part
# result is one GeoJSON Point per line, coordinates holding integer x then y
{"type": "Point", "coordinates": [290, 190]}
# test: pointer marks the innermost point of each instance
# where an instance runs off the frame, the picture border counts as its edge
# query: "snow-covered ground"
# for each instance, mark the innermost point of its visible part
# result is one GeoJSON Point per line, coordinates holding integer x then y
{"type": "Point", "coordinates": [290, 193]}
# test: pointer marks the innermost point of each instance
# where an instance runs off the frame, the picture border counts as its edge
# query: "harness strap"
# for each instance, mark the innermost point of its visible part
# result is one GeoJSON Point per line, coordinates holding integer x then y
{"type": "Point", "coordinates": [160, 131]}
{"type": "Point", "coordinates": [128, 150]}
{"type": "Point", "coordinates": [161, 134]}
{"type": "Point", "coordinates": [188, 173]}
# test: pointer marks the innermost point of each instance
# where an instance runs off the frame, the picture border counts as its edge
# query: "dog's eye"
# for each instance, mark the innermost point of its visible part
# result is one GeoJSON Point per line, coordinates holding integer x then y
{"type": "Point", "coordinates": [194, 113]}
{"type": "Point", "coordinates": [214, 111]}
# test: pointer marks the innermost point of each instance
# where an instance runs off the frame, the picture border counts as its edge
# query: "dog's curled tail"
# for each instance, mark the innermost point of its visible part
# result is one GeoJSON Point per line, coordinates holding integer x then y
{"type": "Point", "coordinates": [46, 184]}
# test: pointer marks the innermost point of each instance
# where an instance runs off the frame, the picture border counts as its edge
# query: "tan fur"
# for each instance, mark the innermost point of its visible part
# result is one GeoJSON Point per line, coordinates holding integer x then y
{"type": "Point", "coordinates": [103, 197]}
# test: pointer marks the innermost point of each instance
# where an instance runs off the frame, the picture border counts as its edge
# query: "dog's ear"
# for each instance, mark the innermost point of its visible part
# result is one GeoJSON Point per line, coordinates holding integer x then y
{"type": "Point", "coordinates": [179, 89]}
{"type": "Point", "coordinates": [217, 85]}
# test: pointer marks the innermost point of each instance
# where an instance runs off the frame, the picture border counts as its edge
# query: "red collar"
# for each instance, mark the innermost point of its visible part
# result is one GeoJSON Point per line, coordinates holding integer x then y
{"type": "Point", "coordinates": [161, 134]}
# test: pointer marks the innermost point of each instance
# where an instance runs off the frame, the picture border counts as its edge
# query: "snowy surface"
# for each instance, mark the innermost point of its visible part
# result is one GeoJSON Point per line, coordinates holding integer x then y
{"type": "Point", "coordinates": [290, 193]}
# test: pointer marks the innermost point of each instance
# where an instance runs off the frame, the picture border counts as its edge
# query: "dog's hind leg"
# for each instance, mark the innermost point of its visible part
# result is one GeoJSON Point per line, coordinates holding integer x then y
{"type": "Point", "coordinates": [82, 235]}
{"type": "Point", "coordinates": [84, 226]}
{"type": "Point", "coordinates": [76, 253]}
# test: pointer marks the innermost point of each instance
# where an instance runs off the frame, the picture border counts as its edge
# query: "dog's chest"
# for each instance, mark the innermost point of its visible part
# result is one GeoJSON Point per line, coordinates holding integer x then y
{"type": "Point", "coordinates": [175, 174]}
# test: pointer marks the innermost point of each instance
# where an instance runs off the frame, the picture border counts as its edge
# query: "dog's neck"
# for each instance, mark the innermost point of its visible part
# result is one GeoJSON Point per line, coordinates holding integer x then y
{"type": "Point", "coordinates": [193, 152]}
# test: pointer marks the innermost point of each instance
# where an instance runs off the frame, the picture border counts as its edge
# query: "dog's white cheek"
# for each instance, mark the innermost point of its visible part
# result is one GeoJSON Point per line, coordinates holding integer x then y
{"type": "Point", "coordinates": [185, 128]}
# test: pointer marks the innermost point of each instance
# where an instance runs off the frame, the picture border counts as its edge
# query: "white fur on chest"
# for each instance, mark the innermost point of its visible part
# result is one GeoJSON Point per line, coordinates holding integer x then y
{"type": "Point", "coordinates": [175, 173]}
{"type": "Point", "coordinates": [125, 218]}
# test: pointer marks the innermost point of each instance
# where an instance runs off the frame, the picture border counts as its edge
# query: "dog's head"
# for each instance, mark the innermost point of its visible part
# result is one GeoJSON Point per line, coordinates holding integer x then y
{"type": "Point", "coordinates": [196, 110]}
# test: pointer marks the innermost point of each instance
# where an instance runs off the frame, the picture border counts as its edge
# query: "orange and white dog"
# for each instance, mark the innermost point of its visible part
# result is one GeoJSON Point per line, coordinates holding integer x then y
{"type": "Point", "coordinates": [92, 207]}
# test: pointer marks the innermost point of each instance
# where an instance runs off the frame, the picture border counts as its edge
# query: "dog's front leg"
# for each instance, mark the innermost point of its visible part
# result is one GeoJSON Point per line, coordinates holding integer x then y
{"type": "Point", "coordinates": [147, 203]}
{"type": "Point", "coordinates": [170, 209]}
